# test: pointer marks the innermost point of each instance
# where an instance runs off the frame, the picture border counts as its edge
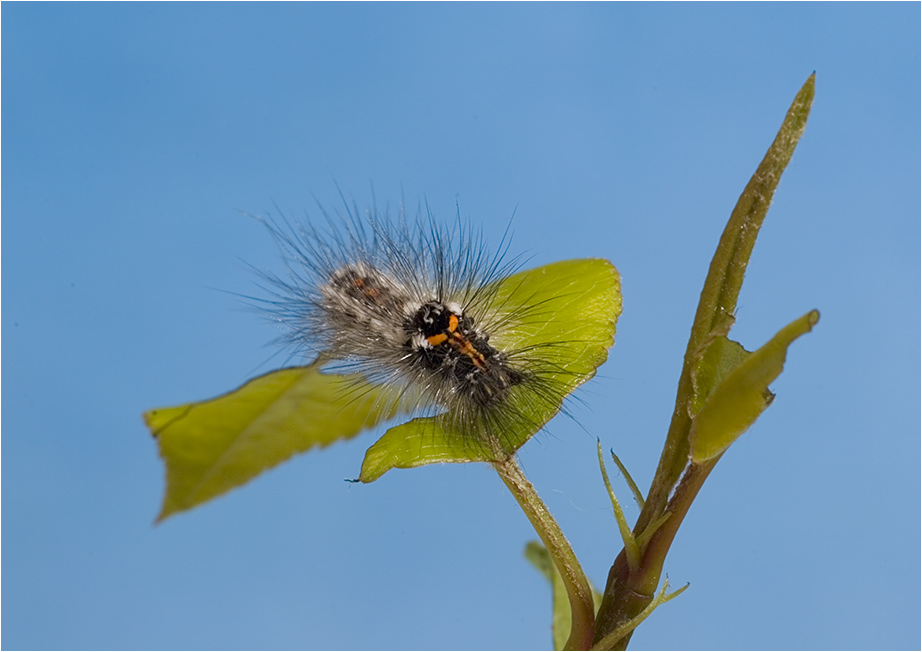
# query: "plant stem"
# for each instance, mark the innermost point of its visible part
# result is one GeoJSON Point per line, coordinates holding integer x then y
{"type": "Point", "coordinates": [721, 290]}
{"type": "Point", "coordinates": [613, 639]}
{"type": "Point", "coordinates": [628, 592]}
{"type": "Point", "coordinates": [574, 580]}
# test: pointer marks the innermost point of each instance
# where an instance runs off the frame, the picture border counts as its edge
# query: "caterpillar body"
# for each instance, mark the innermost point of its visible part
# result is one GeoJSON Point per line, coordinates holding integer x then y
{"type": "Point", "coordinates": [417, 307]}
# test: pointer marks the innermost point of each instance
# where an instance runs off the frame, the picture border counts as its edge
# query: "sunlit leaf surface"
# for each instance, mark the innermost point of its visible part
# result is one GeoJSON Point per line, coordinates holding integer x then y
{"type": "Point", "coordinates": [739, 392]}
{"type": "Point", "coordinates": [213, 446]}
{"type": "Point", "coordinates": [719, 358]}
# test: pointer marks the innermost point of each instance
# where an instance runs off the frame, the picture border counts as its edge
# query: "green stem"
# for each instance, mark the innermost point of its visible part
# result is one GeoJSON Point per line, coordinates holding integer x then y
{"type": "Point", "coordinates": [612, 640]}
{"type": "Point", "coordinates": [628, 592]}
{"type": "Point", "coordinates": [578, 591]}
{"type": "Point", "coordinates": [721, 290]}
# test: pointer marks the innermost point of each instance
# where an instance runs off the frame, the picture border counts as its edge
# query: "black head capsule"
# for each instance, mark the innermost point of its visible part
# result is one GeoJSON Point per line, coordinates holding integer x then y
{"type": "Point", "coordinates": [442, 339]}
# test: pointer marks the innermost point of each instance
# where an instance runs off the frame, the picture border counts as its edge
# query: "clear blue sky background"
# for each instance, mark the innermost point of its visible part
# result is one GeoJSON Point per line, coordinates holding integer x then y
{"type": "Point", "coordinates": [134, 134]}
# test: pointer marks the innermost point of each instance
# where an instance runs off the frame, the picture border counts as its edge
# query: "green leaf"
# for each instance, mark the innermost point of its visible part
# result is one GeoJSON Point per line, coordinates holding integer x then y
{"type": "Point", "coordinates": [741, 394]}
{"type": "Point", "coordinates": [711, 365]}
{"type": "Point", "coordinates": [580, 301]}
{"type": "Point", "coordinates": [722, 287]}
{"type": "Point", "coordinates": [213, 446]}
{"type": "Point", "coordinates": [560, 622]}
{"type": "Point", "coordinates": [728, 267]}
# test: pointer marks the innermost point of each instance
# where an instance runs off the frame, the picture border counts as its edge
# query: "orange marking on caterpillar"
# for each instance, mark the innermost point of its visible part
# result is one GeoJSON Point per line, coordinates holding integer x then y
{"type": "Point", "coordinates": [435, 340]}
{"type": "Point", "coordinates": [463, 345]}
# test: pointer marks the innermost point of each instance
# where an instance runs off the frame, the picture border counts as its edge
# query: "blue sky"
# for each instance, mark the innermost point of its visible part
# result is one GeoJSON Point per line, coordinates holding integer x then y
{"type": "Point", "coordinates": [135, 134]}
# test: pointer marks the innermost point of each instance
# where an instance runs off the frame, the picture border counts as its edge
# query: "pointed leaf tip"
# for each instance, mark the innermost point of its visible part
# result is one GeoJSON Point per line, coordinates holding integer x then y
{"type": "Point", "coordinates": [741, 395]}
{"type": "Point", "coordinates": [213, 446]}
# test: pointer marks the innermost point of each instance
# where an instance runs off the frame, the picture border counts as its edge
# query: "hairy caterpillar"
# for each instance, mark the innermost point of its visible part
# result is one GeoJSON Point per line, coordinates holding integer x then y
{"type": "Point", "coordinates": [399, 316]}
{"type": "Point", "coordinates": [427, 311]}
